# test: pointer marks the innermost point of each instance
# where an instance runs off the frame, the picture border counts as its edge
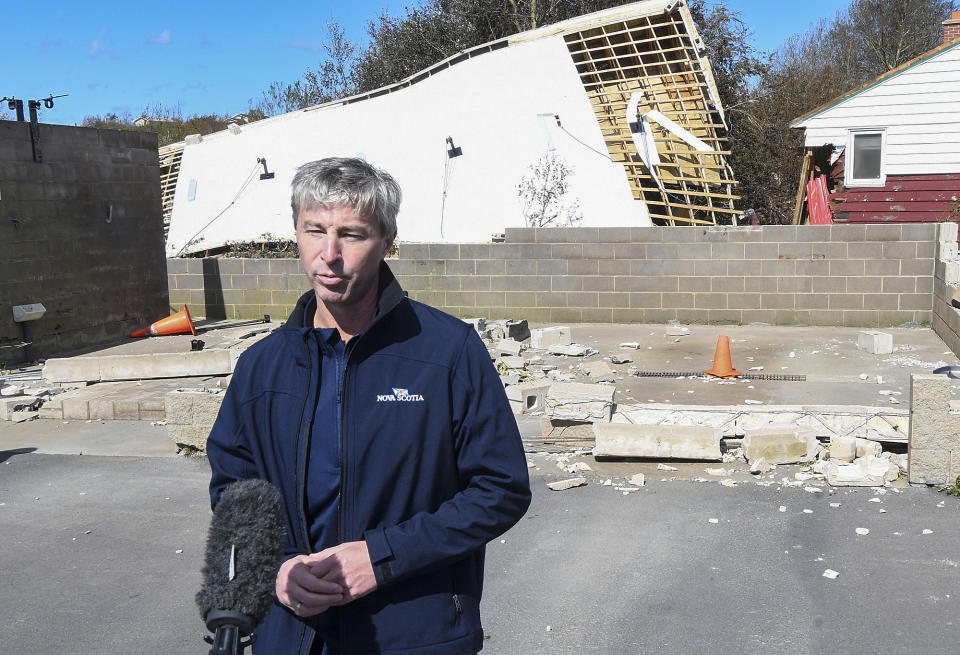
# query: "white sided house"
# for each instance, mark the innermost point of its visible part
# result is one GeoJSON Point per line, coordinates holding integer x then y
{"type": "Point", "coordinates": [624, 98]}
{"type": "Point", "coordinates": [893, 145]}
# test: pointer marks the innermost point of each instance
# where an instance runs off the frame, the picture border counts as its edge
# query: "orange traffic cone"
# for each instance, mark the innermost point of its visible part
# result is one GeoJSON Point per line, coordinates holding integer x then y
{"type": "Point", "coordinates": [722, 366]}
{"type": "Point", "coordinates": [179, 323]}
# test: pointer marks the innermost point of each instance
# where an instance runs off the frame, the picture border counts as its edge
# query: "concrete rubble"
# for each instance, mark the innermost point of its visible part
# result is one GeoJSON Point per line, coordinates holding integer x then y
{"type": "Point", "coordinates": [574, 401]}
{"type": "Point", "coordinates": [656, 441]}
{"type": "Point", "coordinates": [780, 446]}
{"type": "Point", "coordinates": [563, 485]}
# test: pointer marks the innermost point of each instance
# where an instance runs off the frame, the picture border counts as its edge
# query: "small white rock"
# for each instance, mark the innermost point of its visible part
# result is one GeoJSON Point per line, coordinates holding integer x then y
{"type": "Point", "coordinates": [666, 467]}
{"type": "Point", "coordinates": [926, 531]}
{"type": "Point", "coordinates": [783, 508]}
{"type": "Point", "coordinates": [862, 531]}
{"type": "Point", "coordinates": [813, 490]}
{"type": "Point", "coordinates": [830, 574]}
{"type": "Point", "coordinates": [808, 511]}
{"type": "Point", "coordinates": [874, 500]}
{"type": "Point", "coordinates": [713, 520]}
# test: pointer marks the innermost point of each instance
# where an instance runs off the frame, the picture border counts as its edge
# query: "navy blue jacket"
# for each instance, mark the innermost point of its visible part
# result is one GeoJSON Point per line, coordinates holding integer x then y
{"type": "Point", "coordinates": [432, 468]}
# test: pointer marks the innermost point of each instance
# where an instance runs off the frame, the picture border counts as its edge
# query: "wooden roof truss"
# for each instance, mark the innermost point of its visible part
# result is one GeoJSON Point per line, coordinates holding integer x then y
{"type": "Point", "coordinates": [170, 157]}
{"type": "Point", "coordinates": [655, 56]}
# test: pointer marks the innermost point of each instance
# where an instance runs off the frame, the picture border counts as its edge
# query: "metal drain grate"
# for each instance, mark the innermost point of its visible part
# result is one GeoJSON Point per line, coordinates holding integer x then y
{"type": "Point", "coordinates": [699, 374]}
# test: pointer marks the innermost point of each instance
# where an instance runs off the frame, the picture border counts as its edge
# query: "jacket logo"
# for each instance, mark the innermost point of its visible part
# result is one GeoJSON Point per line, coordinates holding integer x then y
{"type": "Point", "coordinates": [400, 395]}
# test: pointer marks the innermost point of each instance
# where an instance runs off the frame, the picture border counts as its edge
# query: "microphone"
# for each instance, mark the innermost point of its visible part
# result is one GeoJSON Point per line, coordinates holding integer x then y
{"type": "Point", "coordinates": [244, 549]}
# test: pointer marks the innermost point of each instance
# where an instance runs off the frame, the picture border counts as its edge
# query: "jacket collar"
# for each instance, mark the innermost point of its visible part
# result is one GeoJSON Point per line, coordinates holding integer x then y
{"type": "Point", "coordinates": [389, 295]}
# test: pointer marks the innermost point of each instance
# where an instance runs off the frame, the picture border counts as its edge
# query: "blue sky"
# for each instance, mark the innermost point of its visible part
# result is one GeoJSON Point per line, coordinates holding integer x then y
{"type": "Point", "coordinates": [213, 57]}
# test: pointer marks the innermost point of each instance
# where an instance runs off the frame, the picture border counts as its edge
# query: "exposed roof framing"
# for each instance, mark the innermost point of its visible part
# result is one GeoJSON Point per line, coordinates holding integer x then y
{"type": "Point", "coordinates": [170, 157]}
{"type": "Point", "coordinates": [656, 56]}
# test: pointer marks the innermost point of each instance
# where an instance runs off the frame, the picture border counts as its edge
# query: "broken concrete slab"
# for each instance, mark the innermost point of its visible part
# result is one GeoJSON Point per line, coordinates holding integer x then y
{"type": "Point", "coordinates": [571, 349]}
{"type": "Point", "coordinates": [543, 338]}
{"type": "Point", "coordinates": [849, 475]}
{"type": "Point", "coordinates": [875, 342]}
{"type": "Point", "coordinates": [780, 446]}
{"type": "Point", "coordinates": [630, 345]}
{"type": "Point", "coordinates": [879, 467]}
{"type": "Point", "coordinates": [676, 331]}
{"type": "Point", "coordinates": [509, 347]}
{"type": "Point", "coordinates": [620, 359]}
{"type": "Point", "coordinates": [934, 445]}
{"type": "Point", "coordinates": [18, 403]}
{"type": "Point", "coordinates": [876, 423]}
{"type": "Point", "coordinates": [21, 415]}
{"type": "Point", "coordinates": [573, 401]}
{"type": "Point", "coordinates": [9, 390]}
{"type": "Point", "coordinates": [598, 371]}
{"type": "Point", "coordinates": [563, 485]}
{"type": "Point", "coordinates": [528, 397]}
{"type": "Point", "coordinates": [657, 441]}
{"type": "Point", "coordinates": [139, 367]}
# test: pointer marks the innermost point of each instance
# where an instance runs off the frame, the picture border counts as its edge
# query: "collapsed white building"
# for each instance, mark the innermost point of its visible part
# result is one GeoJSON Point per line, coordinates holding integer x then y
{"type": "Point", "coordinates": [625, 98]}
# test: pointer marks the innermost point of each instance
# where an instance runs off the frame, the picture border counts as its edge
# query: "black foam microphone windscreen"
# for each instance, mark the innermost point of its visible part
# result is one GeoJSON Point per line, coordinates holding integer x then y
{"type": "Point", "coordinates": [244, 549]}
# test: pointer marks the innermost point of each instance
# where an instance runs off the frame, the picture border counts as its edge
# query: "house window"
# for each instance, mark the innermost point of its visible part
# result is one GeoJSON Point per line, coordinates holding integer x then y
{"type": "Point", "coordinates": [865, 160]}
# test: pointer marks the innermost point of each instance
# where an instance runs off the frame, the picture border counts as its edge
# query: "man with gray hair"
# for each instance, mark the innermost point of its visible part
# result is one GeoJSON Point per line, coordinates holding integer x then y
{"type": "Point", "coordinates": [384, 425]}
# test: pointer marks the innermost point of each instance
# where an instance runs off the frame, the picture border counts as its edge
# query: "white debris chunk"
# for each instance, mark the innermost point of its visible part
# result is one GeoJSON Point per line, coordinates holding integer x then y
{"type": "Point", "coordinates": [666, 467]}
{"type": "Point", "coordinates": [713, 520]}
{"type": "Point", "coordinates": [927, 531]}
{"type": "Point", "coordinates": [830, 574]}
{"type": "Point", "coordinates": [750, 401]}
{"type": "Point", "coordinates": [873, 500]}
{"type": "Point", "coordinates": [783, 508]}
{"type": "Point", "coordinates": [638, 479]}
{"type": "Point", "coordinates": [563, 485]}
{"type": "Point", "coordinates": [760, 465]}
{"type": "Point", "coordinates": [834, 504]}
{"type": "Point", "coordinates": [862, 531]}
{"type": "Point", "coordinates": [716, 472]}
{"type": "Point", "coordinates": [630, 344]}
{"type": "Point", "coordinates": [813, 490]}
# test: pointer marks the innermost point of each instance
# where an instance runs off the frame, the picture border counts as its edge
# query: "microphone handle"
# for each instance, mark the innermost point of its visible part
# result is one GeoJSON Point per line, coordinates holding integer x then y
{"type": "Point", "coordinates": [226, 641]}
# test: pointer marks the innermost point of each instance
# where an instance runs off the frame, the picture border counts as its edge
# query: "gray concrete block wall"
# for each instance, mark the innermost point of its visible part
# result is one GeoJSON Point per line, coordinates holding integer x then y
{"type": "Point", "coordinates": [80, 232]}
{"type": "Point", "coordinates": [224, 288]}
{"type": "Point", "coordinates": [850, 275]}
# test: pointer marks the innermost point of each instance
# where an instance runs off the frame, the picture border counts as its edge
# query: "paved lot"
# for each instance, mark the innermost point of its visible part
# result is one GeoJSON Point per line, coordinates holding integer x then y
{"type": "Point", "coordinates": [90, 561]}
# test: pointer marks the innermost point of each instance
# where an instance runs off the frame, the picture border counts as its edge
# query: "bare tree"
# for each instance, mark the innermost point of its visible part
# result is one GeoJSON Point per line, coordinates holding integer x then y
{"type": "Point", "coordinates": [543, 193]}
{"type": "Point", "coordinates": [335, 78]}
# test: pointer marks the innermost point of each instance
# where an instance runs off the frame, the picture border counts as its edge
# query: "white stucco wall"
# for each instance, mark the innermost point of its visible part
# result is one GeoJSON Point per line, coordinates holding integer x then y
{"type": "Point", "coordinates": [488, 104]}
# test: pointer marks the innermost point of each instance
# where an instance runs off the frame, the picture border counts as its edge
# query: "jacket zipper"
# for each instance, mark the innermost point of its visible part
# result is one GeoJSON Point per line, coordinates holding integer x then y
{"type": "Point", "coordinates": [301, 474]}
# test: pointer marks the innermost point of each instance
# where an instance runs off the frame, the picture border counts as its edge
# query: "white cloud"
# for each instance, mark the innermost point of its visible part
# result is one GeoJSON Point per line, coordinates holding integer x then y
{"type": "Point", "coordinates": [162, 38]}
{"type": "Point", "coordinates": [99, 44]}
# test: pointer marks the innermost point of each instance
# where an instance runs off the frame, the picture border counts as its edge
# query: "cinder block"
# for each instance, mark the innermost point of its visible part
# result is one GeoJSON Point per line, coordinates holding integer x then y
{"type": "Point", "coordinates": [528, 397]}
{"type": "Point", "coordinates": [657, 441]}
{"type": "Point", "coordinates": [877, 343]}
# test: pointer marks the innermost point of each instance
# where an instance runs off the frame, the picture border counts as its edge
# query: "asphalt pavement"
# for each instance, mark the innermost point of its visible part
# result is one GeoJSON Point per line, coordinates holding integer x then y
{"type": "Point", "coordinates": [101, 554]}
